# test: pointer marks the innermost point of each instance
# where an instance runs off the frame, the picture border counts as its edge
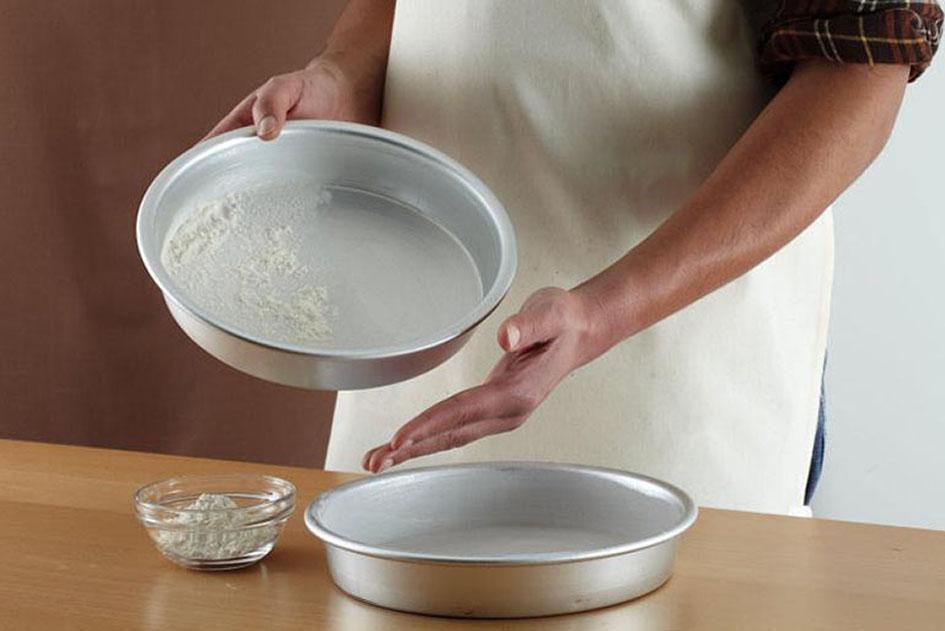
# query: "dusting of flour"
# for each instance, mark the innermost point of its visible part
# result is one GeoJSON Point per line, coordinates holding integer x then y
{"type": "Point", "coordinates": [238, 258]}
{"type": "Point", "coordinates": [209, 530]}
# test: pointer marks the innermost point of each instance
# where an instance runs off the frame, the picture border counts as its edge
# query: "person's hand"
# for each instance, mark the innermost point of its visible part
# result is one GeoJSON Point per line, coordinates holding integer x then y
{"type": "Point", "coordinates": [543, 343]}
{"type": "Point", "coordinates": [324, 89]}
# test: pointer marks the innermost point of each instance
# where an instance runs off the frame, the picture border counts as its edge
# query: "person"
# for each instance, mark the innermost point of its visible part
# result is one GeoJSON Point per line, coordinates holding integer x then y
{"type": "Point", "coordinates": [668, 188]}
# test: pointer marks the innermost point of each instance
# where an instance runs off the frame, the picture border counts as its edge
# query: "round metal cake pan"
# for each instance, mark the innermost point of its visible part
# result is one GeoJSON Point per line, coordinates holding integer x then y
{"type": "Point", "coordinates": [353, 157]}
{"type": "Point", "coordinates": [501, 540]}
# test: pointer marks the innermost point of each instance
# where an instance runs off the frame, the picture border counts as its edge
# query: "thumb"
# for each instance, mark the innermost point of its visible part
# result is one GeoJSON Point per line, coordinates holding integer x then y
{"type": "Point", "coordinates": [528, 327]}
{"type": "Point", "coordinates": [273, 102]}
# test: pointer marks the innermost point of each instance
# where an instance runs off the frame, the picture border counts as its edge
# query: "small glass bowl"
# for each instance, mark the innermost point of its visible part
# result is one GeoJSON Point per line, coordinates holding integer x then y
{"type": "Point", "coordinates": [219, 538]}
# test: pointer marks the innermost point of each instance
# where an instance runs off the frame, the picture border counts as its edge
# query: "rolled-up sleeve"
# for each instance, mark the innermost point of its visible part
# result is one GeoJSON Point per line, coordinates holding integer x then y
{"type": "Point", "coordinates": [851, 31]}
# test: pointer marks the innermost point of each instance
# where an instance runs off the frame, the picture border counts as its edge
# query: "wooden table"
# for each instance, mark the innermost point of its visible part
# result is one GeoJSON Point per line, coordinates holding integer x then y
{"type": "Point", "coordinates": [72, 555]}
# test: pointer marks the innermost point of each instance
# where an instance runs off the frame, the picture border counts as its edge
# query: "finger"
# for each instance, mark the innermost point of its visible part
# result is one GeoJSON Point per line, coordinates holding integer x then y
{"type": "Point", "coordinates": [374, 457]}
{"type": "Point", "coordinates": [366, 459]}
{"type": "Point", "coordinates": [468, 406]}
{"type": "Point", "coordinates": [530, 327]}
{"type": "Point", "coordinates": [449, 439]}
{"type": "Point", "coordinates": [239, 116]}
{"type": "Point", "coordinates": [273, 102]}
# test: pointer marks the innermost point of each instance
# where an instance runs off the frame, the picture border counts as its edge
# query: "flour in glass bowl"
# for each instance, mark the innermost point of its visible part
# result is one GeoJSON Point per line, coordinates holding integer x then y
{"type": "Point", "coordinates": [239, 258]}
{"type": "Point", "coordinates": [210, 531]}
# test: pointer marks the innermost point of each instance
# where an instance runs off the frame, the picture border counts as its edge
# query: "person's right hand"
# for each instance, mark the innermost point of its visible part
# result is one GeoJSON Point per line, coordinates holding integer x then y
{"type": "Point", "coordinates": [324, 89]}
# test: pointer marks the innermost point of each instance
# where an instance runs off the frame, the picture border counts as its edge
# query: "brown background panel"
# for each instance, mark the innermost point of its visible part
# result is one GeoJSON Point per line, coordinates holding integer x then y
{"type": "Point", "coordinates": [95, 97]}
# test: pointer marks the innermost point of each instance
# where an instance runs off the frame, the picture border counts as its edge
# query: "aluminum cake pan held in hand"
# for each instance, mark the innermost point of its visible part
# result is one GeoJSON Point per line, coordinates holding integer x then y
{"type": "Point", "coordinates": [501, 540]}
{"type": "Point", "coordinates": [399, 309]}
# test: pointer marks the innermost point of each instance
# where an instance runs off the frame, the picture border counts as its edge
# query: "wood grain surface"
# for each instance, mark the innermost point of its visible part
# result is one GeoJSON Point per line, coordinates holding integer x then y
{"type": "Point", "coordinates": [73, 556]}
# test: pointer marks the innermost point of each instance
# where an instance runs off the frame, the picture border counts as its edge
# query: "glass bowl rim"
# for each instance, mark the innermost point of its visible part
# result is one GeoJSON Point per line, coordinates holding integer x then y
{"type": "Point", "coordinates": [286, 494]}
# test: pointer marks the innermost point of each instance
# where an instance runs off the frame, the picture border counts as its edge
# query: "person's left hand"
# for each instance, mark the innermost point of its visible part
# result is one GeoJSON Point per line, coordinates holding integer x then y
{"type": "Point", "coordinates": [543, 343]}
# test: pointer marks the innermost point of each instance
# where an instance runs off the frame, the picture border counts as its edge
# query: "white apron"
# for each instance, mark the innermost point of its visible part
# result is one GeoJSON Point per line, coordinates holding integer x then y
{"type": "Point", "coordinates": [593, 121]}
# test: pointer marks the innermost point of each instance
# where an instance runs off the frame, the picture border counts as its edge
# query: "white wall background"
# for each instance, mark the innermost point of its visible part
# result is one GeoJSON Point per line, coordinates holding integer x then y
{"type": "Point", "coordinates": [886, 364]}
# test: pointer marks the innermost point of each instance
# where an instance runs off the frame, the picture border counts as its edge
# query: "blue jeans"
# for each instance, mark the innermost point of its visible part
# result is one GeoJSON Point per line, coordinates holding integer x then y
{"type": "Point", "coordinates": [817, 456]}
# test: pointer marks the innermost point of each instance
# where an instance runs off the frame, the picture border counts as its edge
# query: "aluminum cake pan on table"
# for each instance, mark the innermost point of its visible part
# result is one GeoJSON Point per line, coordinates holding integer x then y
{"type": "Point", "coordinates": [394, 186]}
{"type": "Point", "coordinates": [501, 540]}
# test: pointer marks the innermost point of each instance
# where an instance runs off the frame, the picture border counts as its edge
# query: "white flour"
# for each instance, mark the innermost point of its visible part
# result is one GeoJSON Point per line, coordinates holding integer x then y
{"type": "Point", "coordinates": [211, 534]}
{"type": "Point", "coordinates": [239, 258]}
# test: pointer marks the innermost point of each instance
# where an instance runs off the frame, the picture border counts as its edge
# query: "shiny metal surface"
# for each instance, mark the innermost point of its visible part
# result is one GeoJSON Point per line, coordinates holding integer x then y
{"type": "Point", "coordinates": [374, 164]}
{"type": "Point", "coordinates": [501, 540]}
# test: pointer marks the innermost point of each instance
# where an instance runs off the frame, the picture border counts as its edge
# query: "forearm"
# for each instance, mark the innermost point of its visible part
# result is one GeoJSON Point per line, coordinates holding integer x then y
{"type": "Point", "coordinates": [360, 40]}
{"type": "Point", "coordinates": [812, 140]}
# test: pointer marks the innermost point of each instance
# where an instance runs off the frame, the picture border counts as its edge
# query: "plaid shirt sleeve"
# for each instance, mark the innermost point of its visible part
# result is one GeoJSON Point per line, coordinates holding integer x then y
{"type": "Point", "coordinates": [851, 31]}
